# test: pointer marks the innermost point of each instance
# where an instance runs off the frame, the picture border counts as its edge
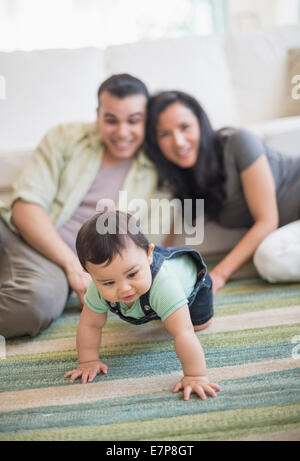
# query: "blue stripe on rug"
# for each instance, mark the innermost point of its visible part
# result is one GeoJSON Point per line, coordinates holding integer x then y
{"type": "Point", "coordinates": [261, 390]}
{"type": "Point", "coordinates": [28, 375]}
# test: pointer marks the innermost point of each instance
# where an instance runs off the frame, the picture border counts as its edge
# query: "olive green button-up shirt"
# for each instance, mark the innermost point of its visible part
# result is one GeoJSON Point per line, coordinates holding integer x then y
{"type": "Point", "coordinates": [63, 167]}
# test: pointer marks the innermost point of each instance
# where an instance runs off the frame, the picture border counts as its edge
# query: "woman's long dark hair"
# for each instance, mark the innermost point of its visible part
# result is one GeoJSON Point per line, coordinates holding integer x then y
{"type": "Point", "coordinates": [206, 178]}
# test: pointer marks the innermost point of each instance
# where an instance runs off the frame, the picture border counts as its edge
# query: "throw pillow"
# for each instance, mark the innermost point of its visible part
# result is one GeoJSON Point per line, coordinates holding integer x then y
{"type": "Point", "coordinates": [293, 103]}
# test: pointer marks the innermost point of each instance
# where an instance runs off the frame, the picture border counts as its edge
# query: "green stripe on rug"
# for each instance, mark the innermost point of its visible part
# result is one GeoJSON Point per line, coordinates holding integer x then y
{"type": "Point", "coordinates": [60, 329]}
{"type": "Point", "coordinates": [219, 425]}
{"type": "Point", "coordinates": [255, 391]}
{"type": "Point", "coordinates": [135, 397]}
{"type": "Point", "coordinates": [257, 306]}
{"type": "Point", "coordinates": [18, 376]}
{"type": "Point", "coordinates": [256, 296]}
{"type": "Point", "coordinates": [278, 333]}
{"type": "Point", "coordinates": [254, 284]}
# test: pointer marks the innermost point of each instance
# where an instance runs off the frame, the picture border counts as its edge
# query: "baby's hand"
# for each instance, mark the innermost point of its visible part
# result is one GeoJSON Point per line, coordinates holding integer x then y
{"type": "Point", "coordinates": [198, 384]}
{"type": "Point", "coordinates": [87, 370]}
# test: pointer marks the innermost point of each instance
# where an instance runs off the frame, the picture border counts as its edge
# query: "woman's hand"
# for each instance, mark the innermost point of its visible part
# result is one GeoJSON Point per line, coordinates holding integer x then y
{"type": "Point", "coordinates": [200, 385]}
{"type": "Point", "coordinates": [88, 371]}
{"type": "Point", "coordinates": [218, 281]}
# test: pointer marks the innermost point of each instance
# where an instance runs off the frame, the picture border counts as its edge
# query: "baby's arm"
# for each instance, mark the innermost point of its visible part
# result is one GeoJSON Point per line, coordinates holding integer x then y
{"type": "Point", "coordinates": [88, 342]}
{"type": "Point", "coordinates": [191, 355]}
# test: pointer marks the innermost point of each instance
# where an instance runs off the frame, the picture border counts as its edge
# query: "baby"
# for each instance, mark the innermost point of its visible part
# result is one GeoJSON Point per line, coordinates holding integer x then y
{"type": "Point", "coordinates": [140, 282]}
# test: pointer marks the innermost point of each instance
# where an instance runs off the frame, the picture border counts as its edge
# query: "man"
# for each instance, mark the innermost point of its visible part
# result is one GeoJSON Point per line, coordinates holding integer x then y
{"type": "Point", "coordinates": [74, 167]}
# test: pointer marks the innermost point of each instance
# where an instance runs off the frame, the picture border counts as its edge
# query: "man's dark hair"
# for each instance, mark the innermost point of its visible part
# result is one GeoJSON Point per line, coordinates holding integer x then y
{"type": "Point", "coordinates": [123, 85]}
{"type": "Point", "coordinates": [97, 247]}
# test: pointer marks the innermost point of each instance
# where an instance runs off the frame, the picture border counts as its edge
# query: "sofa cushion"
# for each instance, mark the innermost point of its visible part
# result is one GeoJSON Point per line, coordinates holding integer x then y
{"type": "Point", "coordinates": [292, 99]}
{"type": "Point", "coordinates": [194, 64]}
{"type": "Point", "coordinates": [282, 134]}
{"type": "Point", "coordinates": [44, 88]}
{"type": "Point", "coordinates": [286, 143]}
{"type": "Point", "coordinates": [216, 239]}
{"type": "Point", "coordinates": [258, 64]}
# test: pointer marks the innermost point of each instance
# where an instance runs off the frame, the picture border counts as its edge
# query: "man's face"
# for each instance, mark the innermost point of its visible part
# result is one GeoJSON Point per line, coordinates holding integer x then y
{"type": "Point", "coordinates": [122, 125]}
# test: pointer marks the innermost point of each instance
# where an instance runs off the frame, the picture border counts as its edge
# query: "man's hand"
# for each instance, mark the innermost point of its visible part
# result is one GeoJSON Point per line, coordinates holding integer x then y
{"type": "Point", "coordinates": [38, 230]}
{"type": "Point", "coordinates": [88, 371]}
{"type": "Point", "coordinates": [200, 385]}
{"type": "Point", "coordinates": [78, 281]}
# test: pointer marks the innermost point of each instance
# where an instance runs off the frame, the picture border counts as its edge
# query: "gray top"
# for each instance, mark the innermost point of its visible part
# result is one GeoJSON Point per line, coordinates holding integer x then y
{"type": "Point", "coordinates": [241, 149]}
{"type": "Point", "coordinates": [106, 185]}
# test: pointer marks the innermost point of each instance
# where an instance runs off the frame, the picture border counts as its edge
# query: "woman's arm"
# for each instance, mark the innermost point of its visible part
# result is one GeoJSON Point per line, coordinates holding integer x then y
{"type": "Point", "coordinates": [259, 189]}
{"type": "Point", "coordinates": [38, 230]}
{"type": "Point", "coordinates": [169, 239]}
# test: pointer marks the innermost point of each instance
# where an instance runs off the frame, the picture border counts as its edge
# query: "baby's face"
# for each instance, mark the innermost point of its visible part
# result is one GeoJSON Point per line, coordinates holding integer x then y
{"type": "Point", "coordinates": [127, 277]}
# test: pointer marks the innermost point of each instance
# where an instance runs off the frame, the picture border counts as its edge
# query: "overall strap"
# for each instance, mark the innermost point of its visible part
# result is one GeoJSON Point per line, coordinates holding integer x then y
{"type": "Point", "coordinates": [149, 313]}
{"type": "Point", "coordinates": [160, 254]}
{"type": "Point", "coordinates": [158, 260]}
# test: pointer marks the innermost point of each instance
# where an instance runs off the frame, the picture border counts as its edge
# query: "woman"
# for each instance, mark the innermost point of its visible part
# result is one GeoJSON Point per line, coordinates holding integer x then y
{"type": "Point", "coordinates": [243, 182]}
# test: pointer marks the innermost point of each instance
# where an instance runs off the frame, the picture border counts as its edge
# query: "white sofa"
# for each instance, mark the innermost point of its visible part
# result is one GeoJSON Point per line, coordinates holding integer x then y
{"type": "Point", "coordinates": [241, 80]}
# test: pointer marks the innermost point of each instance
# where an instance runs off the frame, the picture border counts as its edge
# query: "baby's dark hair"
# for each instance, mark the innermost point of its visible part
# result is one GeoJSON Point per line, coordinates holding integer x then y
{"type": "Point", "coordinates": [105, 235]}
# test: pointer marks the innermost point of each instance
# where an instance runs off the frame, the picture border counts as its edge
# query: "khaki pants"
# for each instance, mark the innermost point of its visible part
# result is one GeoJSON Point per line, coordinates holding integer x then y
{"type": "Point", "coordinates": [33, 290]}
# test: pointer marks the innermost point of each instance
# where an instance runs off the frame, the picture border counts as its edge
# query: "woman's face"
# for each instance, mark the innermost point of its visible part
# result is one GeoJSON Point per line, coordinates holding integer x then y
{"type": "Point", "coordinates": [178, 135]}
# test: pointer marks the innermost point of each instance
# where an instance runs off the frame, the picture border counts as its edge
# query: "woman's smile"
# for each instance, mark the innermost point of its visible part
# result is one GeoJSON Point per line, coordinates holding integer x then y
{"type": "Point", "coordinates": [178, 135]}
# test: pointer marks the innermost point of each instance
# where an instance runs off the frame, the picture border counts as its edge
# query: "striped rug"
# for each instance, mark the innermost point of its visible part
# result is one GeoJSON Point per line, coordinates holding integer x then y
{"type": "Point", "coordinates": [252, 350]}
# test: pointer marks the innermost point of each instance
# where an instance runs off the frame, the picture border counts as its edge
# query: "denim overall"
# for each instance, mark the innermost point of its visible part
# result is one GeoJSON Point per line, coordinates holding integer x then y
{"type": "Point", "coordinates": [200, 301]}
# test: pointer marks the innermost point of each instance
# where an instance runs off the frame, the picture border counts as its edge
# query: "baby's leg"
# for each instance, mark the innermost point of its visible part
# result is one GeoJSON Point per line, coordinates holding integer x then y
{"type": "Point", "coordinates": [277, 259]}
{"type": "Point", "coordinates": [203, 326]}
{"type": "Point", "coordinates": [201, 309]}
